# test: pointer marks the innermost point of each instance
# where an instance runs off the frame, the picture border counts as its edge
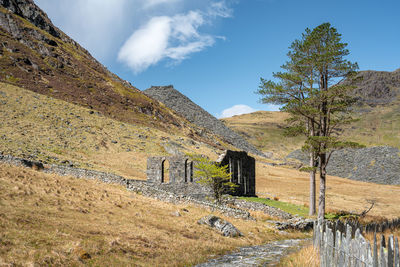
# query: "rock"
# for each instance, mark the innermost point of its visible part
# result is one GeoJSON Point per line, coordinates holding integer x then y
{"type": "Point", "coordinates": [268, 155]}
{"type": "Point", "coordinates": [176, 214]}
{"type": "Point", "coordinates": [257, 206]}
{"type": "Point", "coordinates": [195, 114]}
{"type": "Point", "coordinates": [28, 10]}
{"type": "Point", "coordinates": [376, 87]}
{"type": "Point", "coordinates": [224, 227]}
{"type": "Point", "coordinates": [173, 148]}
{"type": "Point", "coordinates": [33, 164]}
{"type": "Point", "coordinates": [296, 223]}
{"type": "Point", "coordinates": [372, 164]}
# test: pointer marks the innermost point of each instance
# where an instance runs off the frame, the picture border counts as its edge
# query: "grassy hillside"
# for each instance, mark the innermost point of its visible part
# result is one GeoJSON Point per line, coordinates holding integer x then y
{"type": "Point", "coordinates": [378, 114]}
{"type": "Point", "coordinates": [62, 221]}
{"type": "Point", "coordinates": [264, 129]}
{"type": "Point", "coordinates": [52, 64]}
{"type": "Point", "coordinates": [54, 131]}
{"type": "Point", "coordinates": [379, 125]}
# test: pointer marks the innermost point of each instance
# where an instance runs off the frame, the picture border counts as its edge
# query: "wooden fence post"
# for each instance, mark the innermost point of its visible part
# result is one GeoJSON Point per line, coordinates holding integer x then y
{"type": "Point", "coordinates": [375, 253]}
{"type": "Point", "coordinates": [339, 249]}
{"type": "Point", "coordinates": [338, 242]}
{"type": "Point", "coordinates": [390, 251]}
{"type": "Point", "coordinates": [322, 248]}
{"type": "Point", "coordinates": [396, 253]}
{"type": "Point", "coordinates": [369, 255]}
{"type": "Point", "coordinates": [382, 252]}
{"type": "Point", "coordinates": [348, 249]}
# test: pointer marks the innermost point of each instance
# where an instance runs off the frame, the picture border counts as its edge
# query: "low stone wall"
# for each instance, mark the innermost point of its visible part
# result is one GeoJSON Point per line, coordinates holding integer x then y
{"type": "Point", "coordinates": [255, 206]}
{"type": "Point", "coordinates": [86, 174]}
{"type": "Point", "coordinates": [153, 190]}
{"type": "Point", "coordinates": [165, 192]}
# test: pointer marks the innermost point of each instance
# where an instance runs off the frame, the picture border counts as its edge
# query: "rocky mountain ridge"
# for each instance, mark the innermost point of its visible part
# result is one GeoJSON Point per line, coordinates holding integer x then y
{"type": "Point", "coordinates": [175, 100]}
{"type": "Point", "coordinates": [36, 55]}
{"type": "Point", "coordinates": [377, 87]}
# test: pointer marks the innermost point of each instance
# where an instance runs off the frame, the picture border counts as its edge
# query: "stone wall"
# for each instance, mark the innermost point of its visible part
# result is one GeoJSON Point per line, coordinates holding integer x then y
{"type": "Point", "coordinates": [242, 168]}
{"type": "Point", "coordinates": [234, 208]}
{"type": "Point", "coordinates": [149, 189]}
{"type": "Point", "coordinates": [197, 115]}
{"type": "Point", "coordinates": [181, 178]}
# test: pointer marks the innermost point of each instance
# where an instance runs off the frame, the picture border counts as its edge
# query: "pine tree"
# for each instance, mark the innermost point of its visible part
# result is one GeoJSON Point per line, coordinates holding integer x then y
{"type": "Point", "coordinates": [310, 89]}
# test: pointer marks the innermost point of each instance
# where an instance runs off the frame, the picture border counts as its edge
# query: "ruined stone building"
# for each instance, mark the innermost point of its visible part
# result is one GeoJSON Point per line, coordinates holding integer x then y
{"type": "Point", "coordinates": [175, 174]}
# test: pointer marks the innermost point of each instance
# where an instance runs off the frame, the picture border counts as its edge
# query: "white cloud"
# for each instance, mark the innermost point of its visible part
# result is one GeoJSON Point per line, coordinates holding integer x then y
{"type": "Point", "coordinates": [95, 24]}
{"type": "Point", "coordinates": [169, 29]}
{"type": "Point", "coordinates": [236, 110]}
{"type": "Point", "coordinates": [220, 9]}
{"type": "Point", "coordinates": [170, 37]}
{"type": "Point", "coordinates": [147, 45]}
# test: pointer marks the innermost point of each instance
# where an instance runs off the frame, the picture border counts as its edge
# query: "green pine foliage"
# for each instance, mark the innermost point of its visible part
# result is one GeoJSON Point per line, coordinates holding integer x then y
{"type": "Point", "coordinates": [310, 89]}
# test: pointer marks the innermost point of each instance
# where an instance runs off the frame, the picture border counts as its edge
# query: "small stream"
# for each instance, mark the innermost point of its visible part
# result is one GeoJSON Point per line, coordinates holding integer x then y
{"type": "Point", "coordinates": [264, 255]}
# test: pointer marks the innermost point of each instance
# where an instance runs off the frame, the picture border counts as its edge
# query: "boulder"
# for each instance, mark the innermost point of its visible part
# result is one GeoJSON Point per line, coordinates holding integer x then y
{"type": "Point", "coordinates": [222, 226]}
{"type": "Point", "coordinates": [296, 223]}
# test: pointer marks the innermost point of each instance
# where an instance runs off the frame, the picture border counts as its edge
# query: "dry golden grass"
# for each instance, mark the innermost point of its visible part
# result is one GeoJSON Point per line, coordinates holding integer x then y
{"type": "Point", "coordinates": [53, 131]}
{"type": "Point", "coordinates": [53, 220]}
{"type": "Point", "coordinates": [292, 186]}
{"type": "Point", "coordinates": [306, 257]}
{"type": "Point", "coordinates": [264, 129]}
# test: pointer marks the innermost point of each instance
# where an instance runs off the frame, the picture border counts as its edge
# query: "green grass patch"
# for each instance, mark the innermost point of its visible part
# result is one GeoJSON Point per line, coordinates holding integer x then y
{"type": "Point", "coordinates": [287, 207]}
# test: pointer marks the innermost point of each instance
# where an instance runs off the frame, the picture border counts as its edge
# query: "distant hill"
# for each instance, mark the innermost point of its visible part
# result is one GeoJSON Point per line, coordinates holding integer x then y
{"type": "Point", "coordinates": [378, 111]}
{"type": "Point", "coordinates": [173, 99]}
{"type": "Point", "coordinates": [378, 87]}
{"type": "Point", "coordinates": [378, 127]}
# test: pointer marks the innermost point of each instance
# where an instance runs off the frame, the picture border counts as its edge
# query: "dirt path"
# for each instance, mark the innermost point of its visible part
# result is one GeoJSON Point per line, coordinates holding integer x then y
{"type": "Point", "coordinates": [264, 255]}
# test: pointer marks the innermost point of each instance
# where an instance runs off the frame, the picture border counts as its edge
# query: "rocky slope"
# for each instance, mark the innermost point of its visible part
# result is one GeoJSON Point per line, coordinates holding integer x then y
{"type": "Point", "coordinates": [373, 164]}
{"type": "Point", "coordinates": [36, 55]}
{"type": "Point", "coordinates": [377, 87]}
{"type": "Point", "coordinates": [378, 127]}
{"type": "Point", "coordinates": [173, 99]}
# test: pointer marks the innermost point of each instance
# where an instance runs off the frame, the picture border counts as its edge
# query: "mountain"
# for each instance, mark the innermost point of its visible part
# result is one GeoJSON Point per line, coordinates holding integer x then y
{"type": "Point", "coordinates": [377, 87]}
{"type": "Point", "coordinates": [173, 99]}
{"type": "Point", "coordinates": [36, 55]}
{"type": "Point", "coordinates": [60, 105]}
{"type": "Point", "coordinates": [377, 111]}
{"type": "Point", "coordinates": [377, 127]}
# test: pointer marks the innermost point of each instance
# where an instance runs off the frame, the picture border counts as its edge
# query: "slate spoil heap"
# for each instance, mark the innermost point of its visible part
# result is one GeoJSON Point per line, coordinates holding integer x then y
{"type": "Point", "coordinates": [173, 99]}
{"type": "Point", "coordinates": [372, 164]}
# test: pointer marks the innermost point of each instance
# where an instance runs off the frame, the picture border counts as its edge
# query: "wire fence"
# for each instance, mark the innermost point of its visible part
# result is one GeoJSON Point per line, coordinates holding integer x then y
{"type": "Point", "coordinates": [346, 246]}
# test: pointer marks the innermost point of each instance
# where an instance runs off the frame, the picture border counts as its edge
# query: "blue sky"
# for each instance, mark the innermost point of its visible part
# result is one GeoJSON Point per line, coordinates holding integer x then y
{"type": "Point", "coordinates": [215, 51]}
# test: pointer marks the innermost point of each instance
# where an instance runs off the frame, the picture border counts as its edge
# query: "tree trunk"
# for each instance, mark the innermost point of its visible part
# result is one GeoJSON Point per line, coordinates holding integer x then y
{"type": "Point", "coordinates": [312, 186]}
{"type": "Point", "coordinates": [323, 146]}
{"type": "Point", "coordinates": [322, 186]}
